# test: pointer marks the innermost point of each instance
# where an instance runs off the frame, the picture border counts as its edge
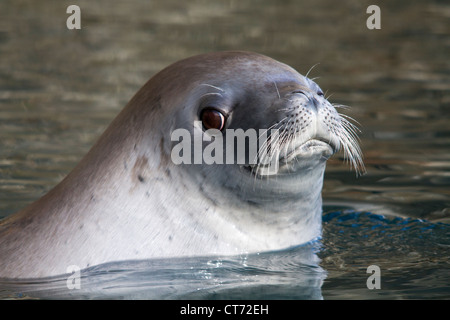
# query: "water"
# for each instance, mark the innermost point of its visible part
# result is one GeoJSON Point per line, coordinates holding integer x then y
{"type": "Point", "coordinates": [60, 88]}
{"type": "Point", "coordinates": [408, 252]}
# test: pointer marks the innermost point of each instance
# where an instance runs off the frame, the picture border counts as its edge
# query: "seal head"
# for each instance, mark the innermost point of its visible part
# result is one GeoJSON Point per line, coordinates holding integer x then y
{"type": "Point", "coordinates": [149, 188]}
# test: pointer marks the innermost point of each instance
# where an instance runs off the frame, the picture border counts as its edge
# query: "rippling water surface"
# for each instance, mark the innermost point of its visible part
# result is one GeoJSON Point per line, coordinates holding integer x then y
{"type": "Point", "coordinates": [408, 252]}
{"type": "Point", "coordinates": [60, 88]}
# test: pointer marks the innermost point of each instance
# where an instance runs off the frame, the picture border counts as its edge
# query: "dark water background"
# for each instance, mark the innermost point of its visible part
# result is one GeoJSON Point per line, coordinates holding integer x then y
{"type": "Point", "coordinates": [60, 88]}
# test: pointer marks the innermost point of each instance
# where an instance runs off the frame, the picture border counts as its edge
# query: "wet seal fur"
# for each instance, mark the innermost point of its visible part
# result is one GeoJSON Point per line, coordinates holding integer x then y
{"type": "Point", "coordinates": [127, 200]}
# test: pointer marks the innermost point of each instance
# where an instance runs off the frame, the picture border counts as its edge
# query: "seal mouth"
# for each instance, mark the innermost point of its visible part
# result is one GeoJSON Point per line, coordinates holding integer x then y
{"type": "Point", "coordinates": [309, 148]}
{"type": "Point", "coordinates": [296, 155]}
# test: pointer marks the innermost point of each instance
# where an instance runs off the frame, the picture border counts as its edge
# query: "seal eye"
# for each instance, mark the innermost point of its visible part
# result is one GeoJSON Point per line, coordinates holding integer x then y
{"type": "Point", "coordinates": [212, 119]}
{"type": "Point", "coordinates": [320, 93]}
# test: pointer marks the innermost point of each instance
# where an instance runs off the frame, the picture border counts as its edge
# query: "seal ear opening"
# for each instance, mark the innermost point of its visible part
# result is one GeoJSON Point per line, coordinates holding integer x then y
{"type": "Point", "coordinates": [212, 119]}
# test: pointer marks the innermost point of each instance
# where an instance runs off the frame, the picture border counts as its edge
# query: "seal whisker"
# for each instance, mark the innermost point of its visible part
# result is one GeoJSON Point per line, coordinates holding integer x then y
{"type": "Point", "coordinates": [286, 109]}
{"type": "Point", "coordinates": [266, 148]}
{"type": "Point", "coordinates": [289, 100]}
{"type": "Point", "coordinates": [290, 138]}
{"type": "Point", "coordinates": [342, 106]}
{"type": "Point", "coordinates": [345, 117]}
{"type": "Point", "coordinates": [328, 97]}
{"type": "Point", "coordinates": [347, 134]}
{"type": "Point", "coordinates": [210, 85]}
{"type": "Point", "coordinates": [283, 109]}
{"type": "Point", "coordinates": [352, 151]}
{"type": "Point", "coordinates": [264, 133]}
{"type": "Point", "coordinates": [269, 150]}
{"type": "Point", "coordinates": [351, 128]}
{"type": "Point", "coordinates": [310, 69]}
{"type": "Point", "coordinates": [270, 128]}
{"type": "Point", "coordinates": [278, 92]}
{"type": "Point", "coordinates": [211, 93]}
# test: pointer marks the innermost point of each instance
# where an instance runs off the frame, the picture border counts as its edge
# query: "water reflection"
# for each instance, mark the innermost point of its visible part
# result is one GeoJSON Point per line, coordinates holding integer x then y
{"type": "Point", "coordinates": [288, 274]}
{"type": "Point", "coordinates": [409, 253]}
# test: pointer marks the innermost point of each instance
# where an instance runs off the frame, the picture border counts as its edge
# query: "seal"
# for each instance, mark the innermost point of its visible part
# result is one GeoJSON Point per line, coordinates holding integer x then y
{"type": "Point", "coordinates": [131, 198]}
